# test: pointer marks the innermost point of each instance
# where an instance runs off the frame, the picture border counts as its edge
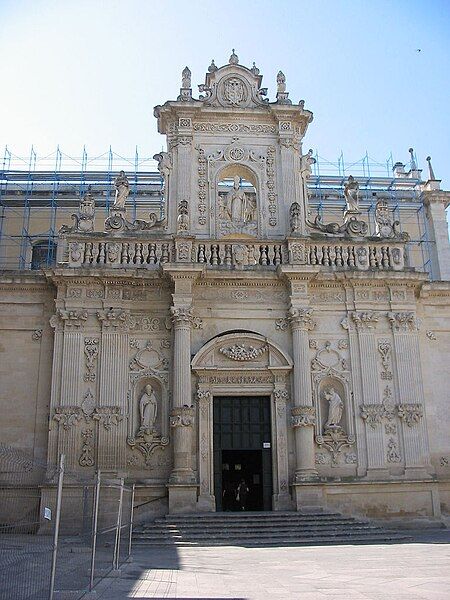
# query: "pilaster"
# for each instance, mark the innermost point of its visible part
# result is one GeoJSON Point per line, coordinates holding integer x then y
{"type": "Point", "coordinates": [410, 409]}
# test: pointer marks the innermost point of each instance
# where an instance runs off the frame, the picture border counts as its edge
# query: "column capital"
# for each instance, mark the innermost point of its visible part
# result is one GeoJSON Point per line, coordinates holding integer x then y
{"type": "Point", "coordinates": [303, 416]}
{"type": "Point", "coordinates": [301, 318]}
{"type": "Point", "coordinates": [182, 416]}
{"type": "Point", "coordinates": [182, 316]}
{"type": "Point", "coordinates": [402, 321]}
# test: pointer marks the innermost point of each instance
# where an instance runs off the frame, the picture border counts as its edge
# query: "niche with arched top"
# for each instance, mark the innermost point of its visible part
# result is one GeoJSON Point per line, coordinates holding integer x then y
{"type": "Point", "coordinates": [237, 201]}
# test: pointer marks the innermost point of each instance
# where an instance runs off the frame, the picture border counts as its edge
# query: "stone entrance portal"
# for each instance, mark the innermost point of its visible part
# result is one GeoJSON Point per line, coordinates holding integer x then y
{"type": "Point", "coordinates": [236, 367]}
{"type": "Point", "coordinates": [242, 451]}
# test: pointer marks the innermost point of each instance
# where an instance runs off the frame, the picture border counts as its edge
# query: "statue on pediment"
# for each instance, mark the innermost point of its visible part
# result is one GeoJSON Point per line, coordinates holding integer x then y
{"type": "Point", "coordinates": [351, 192]}
{"type": "Point", "coordinates": [122, 186]}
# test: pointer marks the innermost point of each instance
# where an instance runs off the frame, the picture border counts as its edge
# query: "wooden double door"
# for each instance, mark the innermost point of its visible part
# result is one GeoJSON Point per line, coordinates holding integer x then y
{"type": "Point", "coordinates": [242, 451]}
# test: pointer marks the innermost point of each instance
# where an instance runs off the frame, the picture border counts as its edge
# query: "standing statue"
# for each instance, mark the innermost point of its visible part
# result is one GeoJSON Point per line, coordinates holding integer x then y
{"type": "Point", "coordinates": [351, 191]}
{"type": "Point", "coordinates": [295, 217]}
{"type": "Point", "coordinates": [236, 202]}
{"type": "Point", "coordinates": [122, 190]}
{"type": "Point", "coordinates": [335, 408]}
{"type": "Point", "coordinates": [148, 410]}
{"type": "Point", "coordinates": [183, 217]}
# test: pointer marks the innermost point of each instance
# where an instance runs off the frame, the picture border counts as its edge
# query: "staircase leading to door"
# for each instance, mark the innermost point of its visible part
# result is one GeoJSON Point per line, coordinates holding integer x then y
{"type": "Point", "coordinates": [261, 529]}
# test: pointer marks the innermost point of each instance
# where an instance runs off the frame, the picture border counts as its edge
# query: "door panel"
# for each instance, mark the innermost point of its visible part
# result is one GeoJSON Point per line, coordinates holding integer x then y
{"type": "Point", "coordinates": [243, 424]}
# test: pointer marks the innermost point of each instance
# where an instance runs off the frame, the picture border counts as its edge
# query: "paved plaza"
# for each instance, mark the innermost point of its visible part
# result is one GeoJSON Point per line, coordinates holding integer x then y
{"type": "Point", "coordinates": [420, 569]}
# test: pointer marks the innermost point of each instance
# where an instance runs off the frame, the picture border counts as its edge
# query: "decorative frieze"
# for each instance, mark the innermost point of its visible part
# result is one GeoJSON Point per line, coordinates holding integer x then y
{"type": "Point", "coordinates": [108, 416]}
{"type": "Point", "coordinates": [202, 187]}
{"type": "Point", "coordinates": [67, 416]}
{"type": "Point", "coordinates": [303, 416]}
{"type": "Point", "coordinates": [271, 194]}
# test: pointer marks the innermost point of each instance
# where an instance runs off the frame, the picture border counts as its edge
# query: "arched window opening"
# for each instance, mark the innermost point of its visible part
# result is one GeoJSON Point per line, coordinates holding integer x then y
{"type": "Point", "coordinates": [43, 254]}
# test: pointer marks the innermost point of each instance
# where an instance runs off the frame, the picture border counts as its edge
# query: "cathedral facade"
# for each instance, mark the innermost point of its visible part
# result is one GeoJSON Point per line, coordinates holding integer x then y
{"type": "Point", "coordinates": [243, 334]}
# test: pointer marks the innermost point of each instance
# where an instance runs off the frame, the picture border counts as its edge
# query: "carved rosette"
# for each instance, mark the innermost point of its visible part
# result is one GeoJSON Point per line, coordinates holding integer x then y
{"type": "Point", "coordinates": [364, 321]}
{"type": "Point", "coordinates": [402, 321]}
{"type": "Point", "coordinates": [303, 416]}
{"type": "Point", "coordinates": [182, 416]}
{"type": "Point", "coordinates": [301, 318]}
{"type": "Point", "coordinates": [410, 413]}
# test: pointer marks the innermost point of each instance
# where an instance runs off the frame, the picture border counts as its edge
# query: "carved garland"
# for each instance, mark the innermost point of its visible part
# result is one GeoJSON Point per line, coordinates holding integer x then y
{"type": "Point", "coordinates": [272, 197]}
{"type": "Point", "coordinates": [240, 352]}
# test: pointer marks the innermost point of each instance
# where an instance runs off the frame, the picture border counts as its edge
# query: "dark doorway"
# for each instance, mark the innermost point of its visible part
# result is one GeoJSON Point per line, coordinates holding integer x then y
{"type": "Point", "coordinates": [242, 450]}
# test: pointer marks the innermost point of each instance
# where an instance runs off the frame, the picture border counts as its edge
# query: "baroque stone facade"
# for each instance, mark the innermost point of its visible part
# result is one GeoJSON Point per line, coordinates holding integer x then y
{"type": "Point", "coordinates": [238, 292]}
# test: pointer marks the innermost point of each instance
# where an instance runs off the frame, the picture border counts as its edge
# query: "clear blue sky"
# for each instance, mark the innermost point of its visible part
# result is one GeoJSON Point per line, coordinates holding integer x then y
{"type": "Point", "coordinates": [89, 72]}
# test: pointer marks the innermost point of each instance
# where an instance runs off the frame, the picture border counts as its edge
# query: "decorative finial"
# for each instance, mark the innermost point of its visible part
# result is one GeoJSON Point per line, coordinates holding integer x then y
{"type": "Point", "coordinates": [212, 67]}
{"type": "Point", "coordinates": [413, 161]}
{"type": "Point", "coordinates": [186, 78]}
{"type": "Point", "coordinates": [281, 82]}
{"type": "Point", "coordinates": [431, 176]}
{"type": "Point", "coordinates": [254, 70]}
{"type": "Point", "coordinates": [282, 94]}
{"type": "Point", "coordinates": [234, 59]}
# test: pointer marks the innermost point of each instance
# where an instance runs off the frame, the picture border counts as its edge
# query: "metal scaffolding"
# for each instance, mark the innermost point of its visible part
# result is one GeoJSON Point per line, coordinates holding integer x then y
{"type": "Point", "coordinates": [55, 182]}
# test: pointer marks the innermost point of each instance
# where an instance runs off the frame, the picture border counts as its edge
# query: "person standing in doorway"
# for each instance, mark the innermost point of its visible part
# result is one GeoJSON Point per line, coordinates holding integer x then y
{"type": "Point", "coordinates": [241, 494]}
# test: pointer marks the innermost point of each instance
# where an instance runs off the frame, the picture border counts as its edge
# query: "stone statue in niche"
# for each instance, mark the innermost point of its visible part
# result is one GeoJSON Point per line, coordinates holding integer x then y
{"type": "Point", "coordinates": [295, 217]}
{"type": "Point", "coordinates": [237, 206]}
{"type": "Point", "coordinates": [351, 192]}
{"type": "Point", "coordinates": [335, 409]}
{"type": "Point", "coordinates": [122, 191]}
{"type": "Point", "coordinates": [183, 217]}
{"type": "Point", "coordinates": [148, 411]}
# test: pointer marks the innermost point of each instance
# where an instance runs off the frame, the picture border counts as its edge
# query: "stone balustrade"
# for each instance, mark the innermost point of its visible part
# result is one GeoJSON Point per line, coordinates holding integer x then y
{"type": "Point", "coordinates": [362, 255]}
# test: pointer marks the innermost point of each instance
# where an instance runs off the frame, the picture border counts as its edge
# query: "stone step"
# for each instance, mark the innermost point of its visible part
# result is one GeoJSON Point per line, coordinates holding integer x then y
{"type": "Point", "coordinates": [211, 528]}
{"type": "Point", "coordinates": [383, 538]}
{"type": "Point", "coordinates": [261, 529]}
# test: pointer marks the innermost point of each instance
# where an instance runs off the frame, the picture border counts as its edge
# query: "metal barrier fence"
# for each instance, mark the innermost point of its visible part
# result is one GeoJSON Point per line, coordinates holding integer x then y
{"type": "Point", "coordinates": [60, 533]}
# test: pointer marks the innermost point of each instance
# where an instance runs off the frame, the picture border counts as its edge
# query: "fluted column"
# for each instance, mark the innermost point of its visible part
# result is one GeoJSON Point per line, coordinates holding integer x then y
{"type": "Point", "coordinates": [182, 413]}
{"type": "Point", "coordinates": [303, 413]}
{"type": "Point", "coordinates": [206, 499]}
{"type": "Point", "coordinates": [282, 498]}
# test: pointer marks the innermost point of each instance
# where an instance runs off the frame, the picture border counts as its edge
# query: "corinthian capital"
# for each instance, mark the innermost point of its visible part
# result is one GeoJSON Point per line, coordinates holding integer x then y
{"type": "Point", "coordinates": [402, 321]}
{"type": "Point", "coordinates": [303, 416]}
{"type": "Point", "coordinates": [184, 316]}
{"type": "Point", "coordinates": [301, 318]}
{"type": "Point", "coordinates": [365, 320]}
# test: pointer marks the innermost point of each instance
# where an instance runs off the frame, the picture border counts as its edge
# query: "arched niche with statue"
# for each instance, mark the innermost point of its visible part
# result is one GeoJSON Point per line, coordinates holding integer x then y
{"type": "Point", "coordinates": [237, 191]}
{"type": "Point", "coordinates": [333, 400]}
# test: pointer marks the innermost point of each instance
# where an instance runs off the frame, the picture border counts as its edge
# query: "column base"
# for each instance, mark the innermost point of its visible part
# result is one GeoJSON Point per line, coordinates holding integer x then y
{"type": "Point", "coordinates": [282, 502]}
{"type": "Point", "coordinates": [378, 474]}
{"type": "Point", "coordinates": [182, 498]}
{"type": "Point", "coordinates": [302, 475]}
{"type": "Point", "coordinates": [308, 499]}
{"type": "Point", "coordinates": [206, 503]}
{"type": "Point", "coordinates": [182, 477]}
{"type": "Point", "coordinates": [417, 473]}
